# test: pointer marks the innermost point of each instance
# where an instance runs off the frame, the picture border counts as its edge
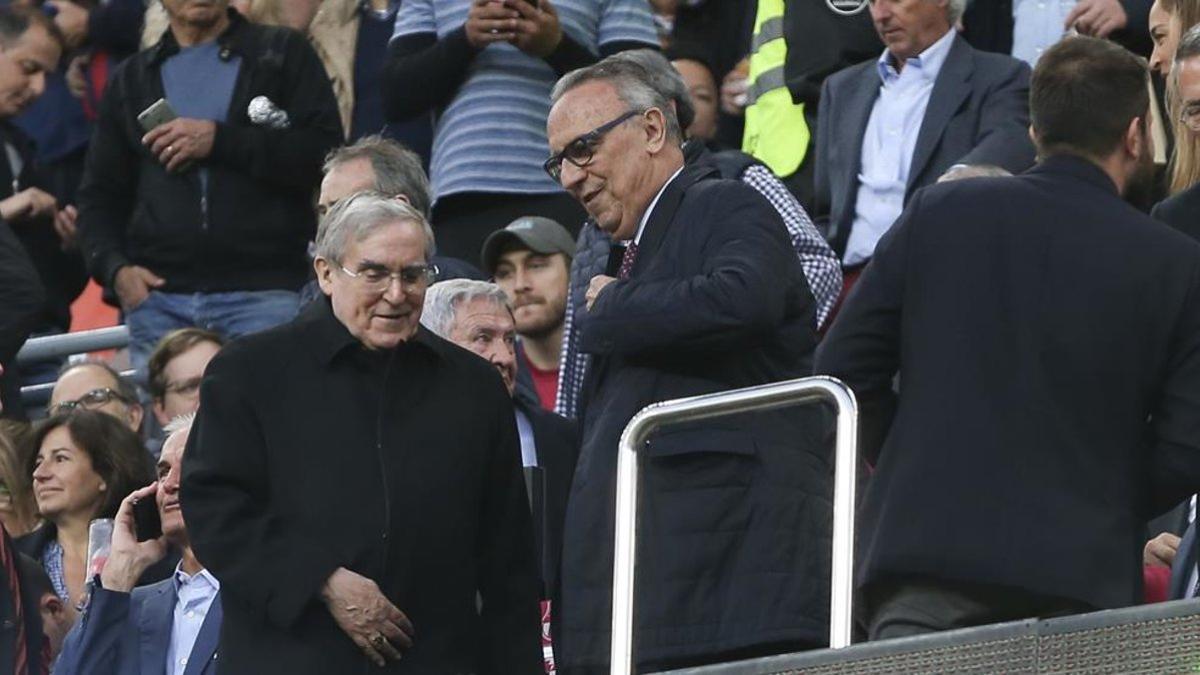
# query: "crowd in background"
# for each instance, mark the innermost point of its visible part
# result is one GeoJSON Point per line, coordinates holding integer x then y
{"type": "Point", "coordinates": [979, 214]}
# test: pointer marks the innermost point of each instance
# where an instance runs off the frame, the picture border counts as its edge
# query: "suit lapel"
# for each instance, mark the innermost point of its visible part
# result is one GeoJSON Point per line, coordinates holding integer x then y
{"type": "Point", "coordinates": [949, 91]}
{"type": "Point", "coordinates": [853, 129]}
{"type": "Point", "coordinates": [205, 649]}
{"type": "Point", "coordinates": [155, 621]}
{"type": "Point", "coordinates": [664, 213]}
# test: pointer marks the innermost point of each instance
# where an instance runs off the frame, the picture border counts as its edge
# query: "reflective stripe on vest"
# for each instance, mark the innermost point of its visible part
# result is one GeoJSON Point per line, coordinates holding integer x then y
{"type": "Point", "coordinates": [776, 132]}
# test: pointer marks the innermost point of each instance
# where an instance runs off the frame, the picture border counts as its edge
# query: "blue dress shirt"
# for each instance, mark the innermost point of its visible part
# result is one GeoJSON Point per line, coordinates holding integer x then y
{"type": "Point", "coordinates": [193, 596]}
{"type": "Point", "coordinates": [888, 145]}
{"type": "Point", "coordinates": [1038, 24]}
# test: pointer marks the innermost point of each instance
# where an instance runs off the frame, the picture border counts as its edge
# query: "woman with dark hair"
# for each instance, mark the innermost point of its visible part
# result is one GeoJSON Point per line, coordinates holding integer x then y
{"type": "Point", "coordinates": [85, 463]}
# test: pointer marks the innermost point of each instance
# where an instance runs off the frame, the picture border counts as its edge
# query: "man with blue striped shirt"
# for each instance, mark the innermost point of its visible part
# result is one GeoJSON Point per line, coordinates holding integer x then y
{"type": "Point", "coordinates": [487, 67]}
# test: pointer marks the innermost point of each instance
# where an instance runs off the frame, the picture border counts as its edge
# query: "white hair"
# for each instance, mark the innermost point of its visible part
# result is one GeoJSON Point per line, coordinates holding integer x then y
{"type": "Point", "coordinates": [443, 299]}
{"type": "Point", "coordinates": [357, 216]}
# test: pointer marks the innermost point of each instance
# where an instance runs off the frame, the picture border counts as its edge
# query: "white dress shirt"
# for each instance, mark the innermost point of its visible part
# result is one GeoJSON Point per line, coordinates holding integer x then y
{"type": "Point", "coordinates": [194, 594]}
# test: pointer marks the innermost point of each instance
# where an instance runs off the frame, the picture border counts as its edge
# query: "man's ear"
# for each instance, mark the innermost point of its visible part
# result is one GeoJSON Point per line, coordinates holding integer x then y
{"type": "Point", "coordinates": [53, 605]}
{"type": "Point", "coordinates": [1137, 139]}
{"type": "Point", "coordinates": [324, 270]}
{"type": "Point", "coordinates": [656, 130]}
{"type": "Point", "coordinates": [135, 416]}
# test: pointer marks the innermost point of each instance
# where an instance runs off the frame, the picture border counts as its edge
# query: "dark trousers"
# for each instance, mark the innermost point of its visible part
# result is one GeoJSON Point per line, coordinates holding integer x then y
{"type": "Point", "coordinates": [462, 221]}
{"type": "Point", "coordinates": [909, 607]}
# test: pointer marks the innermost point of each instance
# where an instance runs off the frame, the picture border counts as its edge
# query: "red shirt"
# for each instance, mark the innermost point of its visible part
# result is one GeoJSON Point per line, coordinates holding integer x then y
{"type": "Point", "coordinates": [544, 381]}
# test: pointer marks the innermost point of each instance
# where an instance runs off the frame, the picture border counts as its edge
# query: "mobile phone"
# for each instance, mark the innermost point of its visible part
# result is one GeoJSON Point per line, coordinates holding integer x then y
{"type": "Point", "coordinates": [159, 112]}
{"type": "Point", "coordinates": [145, 520]}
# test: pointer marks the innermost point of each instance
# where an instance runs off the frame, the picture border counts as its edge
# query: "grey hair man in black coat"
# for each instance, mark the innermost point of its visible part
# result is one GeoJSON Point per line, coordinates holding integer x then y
{"type": "Point", "coordinates": [354, 481]}
{"type": "Point", "coordinates": [707, 296]}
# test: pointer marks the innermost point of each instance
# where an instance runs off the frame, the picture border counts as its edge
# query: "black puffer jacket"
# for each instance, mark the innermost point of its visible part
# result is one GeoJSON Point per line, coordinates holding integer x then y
{"type": "Point", "coordinates": [249, 229]}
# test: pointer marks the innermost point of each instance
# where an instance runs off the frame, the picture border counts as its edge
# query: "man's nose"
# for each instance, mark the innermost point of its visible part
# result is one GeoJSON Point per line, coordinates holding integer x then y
{"type": "Point", "coordinates": [570, 175]}
{"type": "Point", "coordinates": [37, 84]}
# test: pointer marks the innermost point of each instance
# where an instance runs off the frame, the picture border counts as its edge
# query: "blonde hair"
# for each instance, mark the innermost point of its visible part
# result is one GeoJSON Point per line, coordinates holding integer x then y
{"type": "Point", "coordinates": [1185, 161]}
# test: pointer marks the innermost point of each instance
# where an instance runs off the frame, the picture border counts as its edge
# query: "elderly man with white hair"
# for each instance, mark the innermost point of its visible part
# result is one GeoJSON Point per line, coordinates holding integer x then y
{"type": "Point", "coordinates": [476, 316]}
{"type": "Point", "coordinates": [354, 481]}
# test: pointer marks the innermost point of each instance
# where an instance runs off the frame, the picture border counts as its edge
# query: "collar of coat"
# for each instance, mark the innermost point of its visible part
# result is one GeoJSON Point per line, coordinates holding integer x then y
{"type": "Point", "coordinates": [330, 337]}
{"type": "Point", "coordinates": [233, 39]}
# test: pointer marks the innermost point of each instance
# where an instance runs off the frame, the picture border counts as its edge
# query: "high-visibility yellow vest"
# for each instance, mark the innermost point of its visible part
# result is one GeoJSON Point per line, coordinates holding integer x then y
{"type": "Point", "coordinates": [776, 133]}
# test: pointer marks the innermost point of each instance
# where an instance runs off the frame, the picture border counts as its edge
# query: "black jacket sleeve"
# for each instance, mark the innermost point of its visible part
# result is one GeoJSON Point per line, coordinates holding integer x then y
{"type": "Point", "coordinates": [107, 192]}
{"type": "Point", "coordinates": [21, 295]}
{"type": "Point", "coordinates": [422, 72]}
{"type": "Point", "coordinates": [291, 157]}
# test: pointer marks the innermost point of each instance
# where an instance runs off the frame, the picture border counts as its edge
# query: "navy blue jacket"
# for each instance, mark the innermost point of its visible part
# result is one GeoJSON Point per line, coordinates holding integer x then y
{"type": "Point", "coordinates": [735, 512]}
{"type": "Point", "coordinates": [1047, 339]}
{"type": "Point", "coordinates": [129, 634]}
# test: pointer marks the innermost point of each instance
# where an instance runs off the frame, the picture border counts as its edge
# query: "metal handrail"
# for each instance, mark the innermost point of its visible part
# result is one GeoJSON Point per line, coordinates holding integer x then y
{"type": "Point", "coordinates": [79, 342]}
{"type": "Point", "coordinates": [764, 397]}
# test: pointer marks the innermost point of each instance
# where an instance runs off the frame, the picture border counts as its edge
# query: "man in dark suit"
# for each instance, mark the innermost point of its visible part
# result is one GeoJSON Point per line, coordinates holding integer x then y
{"type": "Point", "coordinates": [1047, 339]}
{"type": "Point", "coordinates": [476, 316]}
{"type": "Point", "coordinates": [170, 626]}
{"type": "Point", "coordinates": [708, 296]}
{"type": "Point", "coordinates": [890, 126]}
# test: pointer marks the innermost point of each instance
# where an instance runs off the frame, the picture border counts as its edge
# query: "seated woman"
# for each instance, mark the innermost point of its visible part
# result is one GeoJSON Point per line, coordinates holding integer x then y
{"type": "Point", "coordinates": [86, 462]}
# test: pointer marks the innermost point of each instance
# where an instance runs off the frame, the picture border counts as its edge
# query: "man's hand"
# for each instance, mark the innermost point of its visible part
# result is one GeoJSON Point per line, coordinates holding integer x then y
{"type": "Point", "coordinates": [366, 616]}
{"type": "Point", "coordinates": [128, 557]}
{"type": "Point", "coordinates": [598, 284]}
{"type": "Point", "coordinates": [72, 20]}
{"type": "Point", "coordinates": [1098, 18]}
{"type": "Point", "coordinates": [64, 226]}
{"type": "Point", "coordinates": [490, 21]}
{"type": "Point", "coordinates": [181, 141]}
{"type": "Point", "coordinates": [133, 283]}
{"type": "Point", "coordinates": [734, 87]}
{"type": "Point", "coordinates": [28, 203]}
{"type": "Point", "coordinates": [1160, 551]}
{"type": "Point", "coordinates": [538, 30]}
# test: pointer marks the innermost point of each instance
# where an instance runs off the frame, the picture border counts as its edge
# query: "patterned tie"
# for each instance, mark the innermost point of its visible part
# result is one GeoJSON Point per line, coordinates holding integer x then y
{"type": "Point", "coordinates": [8, 560]}
{"type": "Point", "coordinates": [627, 260]}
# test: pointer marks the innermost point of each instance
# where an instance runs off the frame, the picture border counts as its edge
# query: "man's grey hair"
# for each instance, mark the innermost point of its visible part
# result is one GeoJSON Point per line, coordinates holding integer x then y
{"type": "Point", "coordinates": [397, 169]}
{"type": "Point", "coordinates": [357, 216]}
{"type": "Point", "coordinates": [124, 386]}
{"type": "Point", "coordinates": [955, 9]}
{"type": "Point", "coordinates": [1189, 45]}
{"type": "Point", "coordinates": [961, 171]}
{"type": "Point", "coordinates": [443, 299]}
{"type": "Point", "coordinates": [180, 423]}
{"type": "Point", "coordinates": [635, 87]}
{"type": "Point", "coordinates": [665, 79]}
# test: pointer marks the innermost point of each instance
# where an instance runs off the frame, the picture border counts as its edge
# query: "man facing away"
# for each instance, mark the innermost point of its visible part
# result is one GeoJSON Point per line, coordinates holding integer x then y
{"type": "Point", "coordinates": [1047, 339]}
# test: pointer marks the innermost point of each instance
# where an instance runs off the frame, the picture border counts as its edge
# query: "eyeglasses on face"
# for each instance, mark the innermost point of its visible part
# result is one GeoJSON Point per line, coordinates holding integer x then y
{"type": "Point", "coordinates": [89, 401]}
{"type": "Point", "coordinates": [580, 150]}
{"type": "Point", "coordinates": [377, 279]}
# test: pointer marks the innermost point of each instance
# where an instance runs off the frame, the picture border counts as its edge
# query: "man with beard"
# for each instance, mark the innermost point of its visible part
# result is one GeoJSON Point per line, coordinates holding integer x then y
{"type": "Point", "coordinates": [531, 260]}
{"type": "Point", "coordinates": [1047, 340]}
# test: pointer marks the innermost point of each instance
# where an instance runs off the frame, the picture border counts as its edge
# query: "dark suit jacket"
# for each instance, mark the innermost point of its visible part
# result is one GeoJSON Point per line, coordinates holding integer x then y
{"type": "Point", "coordinates": [1047, 336]}
{"type": "Point", "coordinates": [988, 25]}
{"type": "Point", "coordinates": [22, 297]}
{"type": "Point", "coordinates": [1181, 211]}
{"type": "Point", "coordinates": [557, 442]}
{"type": "Point", "coordinates": [735, 512]}
{"type": "Point", "coordinates": [978, 113]}
{"type": "Point", "coordinates": [1185, 563]}
{"type": "Point", "coordinates": [129, 634]}
{"type": "Point", "coordinates": [310, 453]}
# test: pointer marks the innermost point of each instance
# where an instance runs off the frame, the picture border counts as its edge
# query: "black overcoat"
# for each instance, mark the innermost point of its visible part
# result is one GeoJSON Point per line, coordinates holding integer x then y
{"type": "Point", "coordinates": [310, 453]}
{"type": "Point", "coordinates": [735, 513]}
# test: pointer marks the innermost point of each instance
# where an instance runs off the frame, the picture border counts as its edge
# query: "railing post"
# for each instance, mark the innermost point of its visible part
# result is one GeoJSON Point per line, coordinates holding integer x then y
{"type": "Point", "coordinates": [764, 397]}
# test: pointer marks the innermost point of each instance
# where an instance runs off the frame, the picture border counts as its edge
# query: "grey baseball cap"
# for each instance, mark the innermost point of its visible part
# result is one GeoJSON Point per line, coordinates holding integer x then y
{"type": "Point", "coordinates": [535, 233]}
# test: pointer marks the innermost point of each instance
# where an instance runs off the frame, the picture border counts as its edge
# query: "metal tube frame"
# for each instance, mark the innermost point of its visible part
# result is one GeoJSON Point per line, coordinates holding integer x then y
{"type": "Point", "coordinates": [765, 397]}
{"type": "Point", "coordinates": [79, 342]}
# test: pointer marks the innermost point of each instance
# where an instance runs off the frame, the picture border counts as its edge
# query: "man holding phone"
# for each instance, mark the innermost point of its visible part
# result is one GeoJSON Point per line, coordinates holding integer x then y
{"type": "Point", "coordinates": [194, 207]}
{"type": "Point", "coordinates": [172, 622]}
{"type": "Point", "coordinates": [486, 67]}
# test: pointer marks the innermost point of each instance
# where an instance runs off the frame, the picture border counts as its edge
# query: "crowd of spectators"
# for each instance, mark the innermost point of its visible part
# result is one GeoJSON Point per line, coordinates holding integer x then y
{"type": "Point", "coordinates": [398, 273]}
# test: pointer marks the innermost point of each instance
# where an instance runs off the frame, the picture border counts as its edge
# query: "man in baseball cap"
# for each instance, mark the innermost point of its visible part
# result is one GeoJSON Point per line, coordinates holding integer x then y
{"type": "Point", "coordinates": [531, 260]}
